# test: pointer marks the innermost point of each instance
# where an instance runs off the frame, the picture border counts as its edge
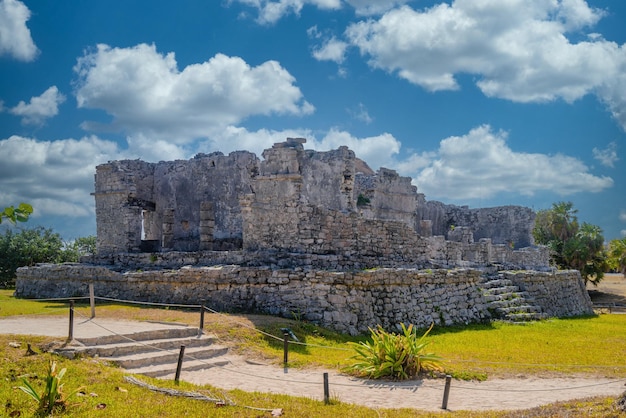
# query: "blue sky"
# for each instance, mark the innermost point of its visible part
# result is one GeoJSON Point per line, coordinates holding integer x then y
{"type": "Point", "coordinates": [481, 102]}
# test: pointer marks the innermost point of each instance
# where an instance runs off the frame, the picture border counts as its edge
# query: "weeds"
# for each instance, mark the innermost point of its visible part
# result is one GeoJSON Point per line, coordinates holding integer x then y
{"type": "Point", "coordinates": [52, 398]}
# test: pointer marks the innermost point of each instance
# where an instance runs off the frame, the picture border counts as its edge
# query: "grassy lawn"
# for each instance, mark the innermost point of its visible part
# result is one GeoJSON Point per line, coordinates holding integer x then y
{"type": "Point", "coordinates": [581, 346]}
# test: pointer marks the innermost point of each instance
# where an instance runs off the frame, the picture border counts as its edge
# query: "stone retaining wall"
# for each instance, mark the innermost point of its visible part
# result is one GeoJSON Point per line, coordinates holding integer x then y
{"type": "Point", "coordinates": [345, 301]}
{"type": "Point", "coordinates": [559, 294]}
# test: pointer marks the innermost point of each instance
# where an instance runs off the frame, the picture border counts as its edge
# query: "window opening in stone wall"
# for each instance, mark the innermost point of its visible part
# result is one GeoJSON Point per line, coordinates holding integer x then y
{"type": "Point", "coordinates": [150, 233]}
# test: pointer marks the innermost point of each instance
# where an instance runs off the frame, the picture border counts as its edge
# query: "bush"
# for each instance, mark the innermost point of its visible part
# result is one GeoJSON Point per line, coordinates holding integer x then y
{"type": "Point", "coordinates": [395, 356]}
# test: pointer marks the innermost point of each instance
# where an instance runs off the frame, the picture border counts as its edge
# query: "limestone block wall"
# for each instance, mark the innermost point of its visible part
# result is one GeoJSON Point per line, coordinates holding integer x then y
{"type": "Point", "coordinates": [166, 203]}
{"type": "Point", "coordinates": [391, 197]}
{"type": "Point", "coordinates": [122, 190]}
{"type": "Point", "coordinates": [503, 224]}
{"type": "Point", "coordinates": [281, 225]}
{"type": "Point", "coordinates": [561, 293]}
{"type": "Point", "coordinates": [346, 301]}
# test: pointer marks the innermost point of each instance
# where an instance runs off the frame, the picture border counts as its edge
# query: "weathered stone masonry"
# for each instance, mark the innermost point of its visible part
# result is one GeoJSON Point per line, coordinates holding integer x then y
{"type": "Point", "coordinates": [346, 301]}
{"type": "Point", "coordinates": [313, 234]}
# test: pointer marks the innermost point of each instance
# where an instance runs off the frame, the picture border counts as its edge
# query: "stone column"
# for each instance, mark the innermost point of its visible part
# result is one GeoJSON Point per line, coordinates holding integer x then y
{"type": "Point", "coordinates": [168, 230]}
{"type": "Point", "coordinates": [207, 225]}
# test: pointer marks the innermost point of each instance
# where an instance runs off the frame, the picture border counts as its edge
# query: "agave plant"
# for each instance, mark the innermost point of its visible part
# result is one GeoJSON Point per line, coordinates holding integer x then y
{"type": "Point", "coordinates": [52, 396]}
{"type": "Point", "coordinates": [395, 356]}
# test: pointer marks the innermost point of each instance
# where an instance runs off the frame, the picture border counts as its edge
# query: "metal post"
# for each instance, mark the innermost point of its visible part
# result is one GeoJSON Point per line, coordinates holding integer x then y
{"type": "Point", "coordinates": [201, 330]}
{"type": "Point", "coordinates": [180, 363]}
{"type": "Point", "coordinates": [285, 347]}
{"type": "Point", "coordinates": [92, 301]}
{"type": "Point", "coordinates": [326, 390]}
{"type": "Point", "coordinates": [70, 336]}
{"type": "Point", "coordinates": [446, 392]}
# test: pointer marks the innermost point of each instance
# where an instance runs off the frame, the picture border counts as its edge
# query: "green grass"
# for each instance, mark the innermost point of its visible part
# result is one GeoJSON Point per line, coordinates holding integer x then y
{"type": "Point", "coordinates": [582, 346]}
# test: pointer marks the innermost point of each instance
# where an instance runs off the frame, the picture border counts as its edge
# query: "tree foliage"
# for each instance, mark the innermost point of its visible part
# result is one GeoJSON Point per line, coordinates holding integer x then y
{"type": "Point", "coordinates": [83, 246]}
{"type": "Point", "coordinates": [617, 255]}
{"type": "Point", "coordinates": [574, 246]}
{"type": "Point", "coordinates": [16, 214]}
{"type": "Point", "coordinates": [28, 247]}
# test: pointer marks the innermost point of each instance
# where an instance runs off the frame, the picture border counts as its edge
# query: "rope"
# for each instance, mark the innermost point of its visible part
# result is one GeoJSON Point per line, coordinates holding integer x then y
{"type": "Point", "coordinates": [173, 305]}
{"type": "Point", "coordinates": [391, 386]}
{"type": "Point", "coordinates": [539, 390]}
{"type": "Point", "coordinates": [273, 336]}
{"type": "Point", "coordinates": [55, 299]}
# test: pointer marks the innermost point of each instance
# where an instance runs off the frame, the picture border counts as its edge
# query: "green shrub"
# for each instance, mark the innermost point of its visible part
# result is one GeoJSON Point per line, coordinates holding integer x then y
{"type": "Point", "coordinates": [51, 398]}
{"type": "Point", "coordinates": [395, 356]}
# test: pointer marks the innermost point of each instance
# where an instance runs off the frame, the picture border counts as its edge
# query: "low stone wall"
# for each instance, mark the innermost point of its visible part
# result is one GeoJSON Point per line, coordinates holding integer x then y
{"type": "Point", "coordinates": [345, 301]}
{"type": "Point", "coordinates": [560, 294]}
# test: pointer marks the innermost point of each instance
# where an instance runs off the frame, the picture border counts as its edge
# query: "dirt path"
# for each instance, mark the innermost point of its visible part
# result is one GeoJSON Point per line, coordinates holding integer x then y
{"type": "Point", "coordinates": [493, 394]}
{"type": "Point", "coordinates": [518, 393]}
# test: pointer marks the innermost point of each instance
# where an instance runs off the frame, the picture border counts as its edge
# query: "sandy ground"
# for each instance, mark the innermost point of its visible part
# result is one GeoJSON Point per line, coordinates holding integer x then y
{"type": "Point", "coordinates": [517, 393]}
{"type": "Point", "coordinates": [493, 394]}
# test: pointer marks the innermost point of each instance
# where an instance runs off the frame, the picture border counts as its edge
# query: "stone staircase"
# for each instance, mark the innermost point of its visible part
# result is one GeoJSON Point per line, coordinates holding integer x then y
{"type": "Point", "coordinates": [152, 353]}
{"type": "Point", "coordinates": [508, 303]}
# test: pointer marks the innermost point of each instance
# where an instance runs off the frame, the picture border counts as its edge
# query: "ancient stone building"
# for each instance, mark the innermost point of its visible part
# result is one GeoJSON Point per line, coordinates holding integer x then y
{"type": "Point", "coordinates": [317, 233]}
{"type": "Point", "coordinates": [294, 200]}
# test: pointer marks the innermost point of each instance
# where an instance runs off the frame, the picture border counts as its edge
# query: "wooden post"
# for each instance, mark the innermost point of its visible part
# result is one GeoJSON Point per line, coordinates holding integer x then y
{"type": "Point", "coordinates": [326, 390]}
{"type": "Point", "coordinates": [285, 348]}
{"type": "Point", "coordinates": [70, 336]}
{"type": "Point", "coordinates": [201, 329]}
{"type": "Point", "coordinates": [446, 392]}
{"type": "Point", "coordinates": [180, 363]}
{"type": "Point", "coordinates": [92, 301]}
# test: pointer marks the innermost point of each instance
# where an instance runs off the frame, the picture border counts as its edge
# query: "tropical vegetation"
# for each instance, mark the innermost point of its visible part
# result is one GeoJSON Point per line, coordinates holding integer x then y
{"type": "Point", "coordinates": [29, 246]}
{"type": "Point", "coordinates": [398, 356]}
{"type": "Point", "coordinates": [16, 214]}
{"type": "Point", "coordinates": [573, 245]}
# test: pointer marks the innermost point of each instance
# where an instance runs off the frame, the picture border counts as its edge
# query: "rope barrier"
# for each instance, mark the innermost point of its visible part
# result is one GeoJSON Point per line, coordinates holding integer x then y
{"type": "Point", "coordinates": [539, 390]}
{"type": "Point", "coordinates": [547, 365]}
{"type": "Point", "coordinates": [55, 299]}
{"type": "Point", "coordinates": [390, 386]}
{"type": "Point", "coordinates": [273, 336]}
{"type": "Point", "coordinates": [133, 302]}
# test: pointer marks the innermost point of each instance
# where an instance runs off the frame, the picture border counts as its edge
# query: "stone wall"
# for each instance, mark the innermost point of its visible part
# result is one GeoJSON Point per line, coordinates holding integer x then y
{"type": "Point", "coordinates": [345, 301]}
{"type": "Point", "coordinates": [510, 225]}
{"type": "Point", "coordinates": [163, 206]}
{"type": "Point", "coordinates": [562, 293]}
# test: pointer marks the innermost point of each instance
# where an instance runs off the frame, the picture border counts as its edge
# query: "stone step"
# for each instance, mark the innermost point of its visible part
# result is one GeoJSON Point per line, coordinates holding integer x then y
{"type": "Point", "coordinates": [524, 317]}
{"type": "Point", "coordinates": [182, 332]}
{"type": "Point", "coordinates": [501, 289]}
{"type": "Point", "coordinates": [142, 346]}
{"type": "Point", "coordinates": [166, 371]}
{"type": "Point", "coordinates": [169, 357]}
{"type": "Point", "coordinates": [153, 353]}
{"type": "Point", "coordinates": [508, 304]}
{"type": "Point", "coordinates": [496, 283]}
{"type": "Point", "coordinates": [506, 311]}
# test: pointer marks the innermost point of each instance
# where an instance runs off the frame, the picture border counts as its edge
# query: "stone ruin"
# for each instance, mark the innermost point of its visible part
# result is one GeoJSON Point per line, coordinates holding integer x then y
{"type": "Point", "coordinates": [307, 234]}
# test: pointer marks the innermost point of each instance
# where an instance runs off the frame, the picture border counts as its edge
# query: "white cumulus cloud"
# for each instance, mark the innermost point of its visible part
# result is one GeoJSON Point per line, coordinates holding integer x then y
{"type": "Point", "coordinates": [481, 163]}
{"type": "Point", "coordinates": [147, 94]}
{"type": "Point", "coordinates": [56, 177]}
{"type": "Point", "coordinates": [39, 108]}
{"type": "Point", "coordinates": [270, 11]}
{"type": "Point", "coordinates": [15, 38]}
{"type": "Point", "coordinates": [518, 50]}
{"type": "Point", "coordinates": [332, 50]}
{"type": "Point", "coordinates": [608, 156]}
{"type": "Point", "coordinates": [374, 7]}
